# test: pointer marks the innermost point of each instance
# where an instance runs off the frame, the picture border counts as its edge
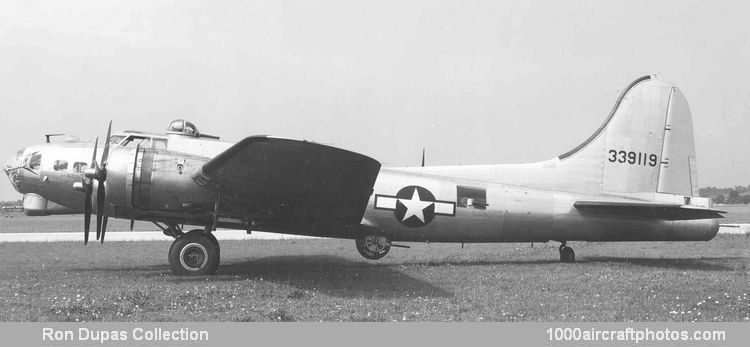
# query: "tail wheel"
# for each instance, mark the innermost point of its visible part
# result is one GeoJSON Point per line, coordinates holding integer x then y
{"type": "Point", "coordinates": [194, 254]}
{"type": "Point", "coordinates": [373, 247]}
{"type": "Point", "coordinates": [567, 255]}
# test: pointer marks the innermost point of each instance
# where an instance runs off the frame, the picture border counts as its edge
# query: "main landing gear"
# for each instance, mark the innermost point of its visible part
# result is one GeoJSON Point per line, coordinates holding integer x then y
{"type": "Point", "coordinates": [194, 253]}
{"type": "Point", "coordinates": [566, 253]}
{"type": "Point", "coordinates": [373, 247]}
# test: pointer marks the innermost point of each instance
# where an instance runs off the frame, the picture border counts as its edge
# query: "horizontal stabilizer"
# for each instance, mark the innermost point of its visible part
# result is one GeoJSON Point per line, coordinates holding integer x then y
{"type": "Point", "coordinates": [644, 209]}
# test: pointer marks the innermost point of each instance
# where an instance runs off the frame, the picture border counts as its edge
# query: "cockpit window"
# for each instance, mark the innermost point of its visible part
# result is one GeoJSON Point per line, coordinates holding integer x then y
{"type": "Point", "coordinates": [134, 141]}
{"type": "Point", "coordinates": [115, 139]}
{"type": "Point", "coordinates": [60, 165]}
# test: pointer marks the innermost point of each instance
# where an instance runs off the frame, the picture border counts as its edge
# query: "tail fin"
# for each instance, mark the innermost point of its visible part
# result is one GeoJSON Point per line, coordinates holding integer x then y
{"type": "Point", "coordinates": [645, 145]}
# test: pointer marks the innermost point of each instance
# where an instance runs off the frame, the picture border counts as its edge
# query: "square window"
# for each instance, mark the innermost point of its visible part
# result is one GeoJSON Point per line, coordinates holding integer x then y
{"type": "Point", "coordinates": [60, 165]}
{"type": "Point", "coordinates": [471, 197]}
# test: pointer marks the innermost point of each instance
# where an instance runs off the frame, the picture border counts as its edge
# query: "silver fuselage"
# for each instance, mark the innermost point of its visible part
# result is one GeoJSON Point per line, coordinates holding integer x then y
{"type": "Point", "coordinates": [526, 211]}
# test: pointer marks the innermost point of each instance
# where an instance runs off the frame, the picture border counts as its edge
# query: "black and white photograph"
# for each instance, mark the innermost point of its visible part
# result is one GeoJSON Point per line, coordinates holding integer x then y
{"type": "Point", "coordinates": [552, 163]}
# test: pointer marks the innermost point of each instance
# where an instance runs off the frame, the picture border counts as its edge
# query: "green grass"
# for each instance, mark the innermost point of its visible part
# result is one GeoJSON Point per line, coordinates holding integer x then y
{"type": "Point", "coordinates": [16, 222]}
{"type": "Point", "coordinates": [735, 213]}
{"type": "Point", "coordinates": [326, 280]}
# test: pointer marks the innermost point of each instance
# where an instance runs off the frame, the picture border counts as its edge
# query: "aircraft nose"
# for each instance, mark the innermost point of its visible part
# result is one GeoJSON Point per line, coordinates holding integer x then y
{"type": "Point", "coordinates": [11, 163]}
{"type": "Point", "coordinates": [14, 161]}
{"type": "Point", "coordinates": [11, 169]}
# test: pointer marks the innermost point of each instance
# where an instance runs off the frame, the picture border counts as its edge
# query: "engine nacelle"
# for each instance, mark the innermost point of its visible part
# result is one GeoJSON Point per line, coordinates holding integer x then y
{"type": "Point", "coordinates": [154, 179]}
{"type": "Point", "coordinates": [37, 205]}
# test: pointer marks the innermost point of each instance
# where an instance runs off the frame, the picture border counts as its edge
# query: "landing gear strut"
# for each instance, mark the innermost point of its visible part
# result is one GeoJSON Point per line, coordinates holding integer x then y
{"type": "Point", "coordinates": [373, 247]}
{"type": "Point", "coordinates": [566, 254]}
{"type": "Point", "coordinates": [169, 229]}
{"type": "Point", "coordinates": [195, 253]}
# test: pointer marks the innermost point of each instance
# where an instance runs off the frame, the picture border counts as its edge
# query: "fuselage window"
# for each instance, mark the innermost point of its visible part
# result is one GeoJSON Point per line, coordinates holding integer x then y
{"type": "Point", "coordinates": [79, 167]}
{"type": "Point", "coordinates": [35, 161]}
{"type": "Point", "coordinates": [60, 165]}
{"type": "Point", "coordinates": [471, 197]}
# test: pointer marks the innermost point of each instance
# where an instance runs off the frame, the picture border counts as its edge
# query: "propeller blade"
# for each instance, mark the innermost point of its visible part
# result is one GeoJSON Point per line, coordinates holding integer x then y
{"type": "Point", "coordinates": [104, 227]}
{"type": "Point", "coordinates": [87, 200]}
{"type": "Point", "coordinates": [86, 217]}
{"type": "Point", "coordinates": [98, 226]}
{"type": "Point", "coordinates": [93, 158]}
{"type": "Point", "coordinates": [105, 155]}
{"type": "Point", "coordinates": [99, 208]}
{"type": "Point", "coordinates": [100, 174]}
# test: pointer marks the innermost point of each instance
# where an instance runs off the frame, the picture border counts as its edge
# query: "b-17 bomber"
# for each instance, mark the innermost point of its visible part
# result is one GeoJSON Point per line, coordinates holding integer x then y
{"type": "Point", "coordinates": [633, 179]}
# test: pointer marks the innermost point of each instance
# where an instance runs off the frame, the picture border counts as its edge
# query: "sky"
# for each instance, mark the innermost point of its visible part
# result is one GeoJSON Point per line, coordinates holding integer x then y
{"type": "Point", "coordinates": [473, 82]}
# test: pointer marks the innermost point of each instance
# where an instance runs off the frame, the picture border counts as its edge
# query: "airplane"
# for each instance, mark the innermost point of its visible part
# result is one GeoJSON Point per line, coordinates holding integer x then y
{"type": "Point", "coordinates": [633, 179]}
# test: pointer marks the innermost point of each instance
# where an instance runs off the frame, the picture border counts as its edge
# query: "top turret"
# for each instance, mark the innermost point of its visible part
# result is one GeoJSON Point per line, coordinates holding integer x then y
{"type": "Point", "coordinates": [183, 127]}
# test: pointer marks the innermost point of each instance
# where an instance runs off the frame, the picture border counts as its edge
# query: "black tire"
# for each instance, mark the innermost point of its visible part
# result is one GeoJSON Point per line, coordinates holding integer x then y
{"type": "Point", "coordinates": [194, 254]}
{"type": "Point", "coordinates": [372, 253]}
{"type": "Point", "coordinates": [567, 255]}
{"type": "Point", "coordinates": [196, 232]}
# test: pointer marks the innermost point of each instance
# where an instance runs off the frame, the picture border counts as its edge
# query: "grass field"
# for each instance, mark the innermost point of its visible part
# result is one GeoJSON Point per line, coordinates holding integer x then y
{"type": "Point", "coordinates": [735, 213]}
{"type": "Point", "coordinates": [16, 222]}
{"type": "Point", "coordinates": [326, 280]}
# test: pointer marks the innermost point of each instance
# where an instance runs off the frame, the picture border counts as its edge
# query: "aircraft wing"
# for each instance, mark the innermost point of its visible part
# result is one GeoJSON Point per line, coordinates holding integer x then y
{"type": "Point", "coordinates": [285, 185]}
{"type": "Point", "coordinates": [645, 209]}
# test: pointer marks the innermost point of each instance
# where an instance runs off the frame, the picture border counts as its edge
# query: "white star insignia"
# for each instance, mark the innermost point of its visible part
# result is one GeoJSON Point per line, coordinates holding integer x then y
{"type": "Point", "coordinates": [415, 206]}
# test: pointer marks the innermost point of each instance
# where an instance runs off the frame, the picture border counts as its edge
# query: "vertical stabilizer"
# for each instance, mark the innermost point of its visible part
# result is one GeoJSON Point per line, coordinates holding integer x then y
{"type": "Point", "coordinates": [645, 145]}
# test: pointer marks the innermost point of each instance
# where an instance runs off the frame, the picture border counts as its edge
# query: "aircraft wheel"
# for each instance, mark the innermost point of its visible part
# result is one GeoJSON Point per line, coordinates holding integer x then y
{"type": "Point", "coordinates": [373, 247]}
{"type": "Point", "coordinates": [567, 255]}
{"type": "Point", "coordinates": [194, 254]}
{"type": "Point", "coordinates": [196, 232]}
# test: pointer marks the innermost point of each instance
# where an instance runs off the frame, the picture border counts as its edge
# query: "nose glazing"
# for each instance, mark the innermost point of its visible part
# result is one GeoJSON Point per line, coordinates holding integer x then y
{"type": "Point", "coordinates": [12, 169]}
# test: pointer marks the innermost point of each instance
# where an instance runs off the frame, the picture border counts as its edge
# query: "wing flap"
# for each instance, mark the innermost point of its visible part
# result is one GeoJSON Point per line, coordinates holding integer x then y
{"type": "Point", "coordinates": [288, 185]}
{"type": "Point", "coordinates": [645, 209]}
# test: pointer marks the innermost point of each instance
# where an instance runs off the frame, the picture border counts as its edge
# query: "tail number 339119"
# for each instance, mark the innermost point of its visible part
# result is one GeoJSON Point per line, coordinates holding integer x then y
{"type": "Point", "coordinates": [632, 158]}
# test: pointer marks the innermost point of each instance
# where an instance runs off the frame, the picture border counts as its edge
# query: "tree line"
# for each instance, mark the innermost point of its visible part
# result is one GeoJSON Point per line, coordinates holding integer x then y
{"type": "Point", "coordinates": [736, 195]}
{"type": "Point", "coordinates": [18, 202]}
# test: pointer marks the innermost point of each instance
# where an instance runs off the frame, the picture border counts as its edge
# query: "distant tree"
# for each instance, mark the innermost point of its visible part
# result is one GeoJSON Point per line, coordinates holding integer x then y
{"type": "Point", "coordinates": [719, 199]}
{"type": "Point", "coordinates": [11, 203]}
{"type": "Point", "coordinates": [734, 197]}
{"type": "Point", "coordinates": [745, 199]}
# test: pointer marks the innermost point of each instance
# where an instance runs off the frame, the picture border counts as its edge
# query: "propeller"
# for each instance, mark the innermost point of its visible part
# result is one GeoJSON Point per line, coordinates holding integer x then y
{"type": "Point", "coordinates": [99, 173]}
{"type": "Point", "coordinates": [86, 186]}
